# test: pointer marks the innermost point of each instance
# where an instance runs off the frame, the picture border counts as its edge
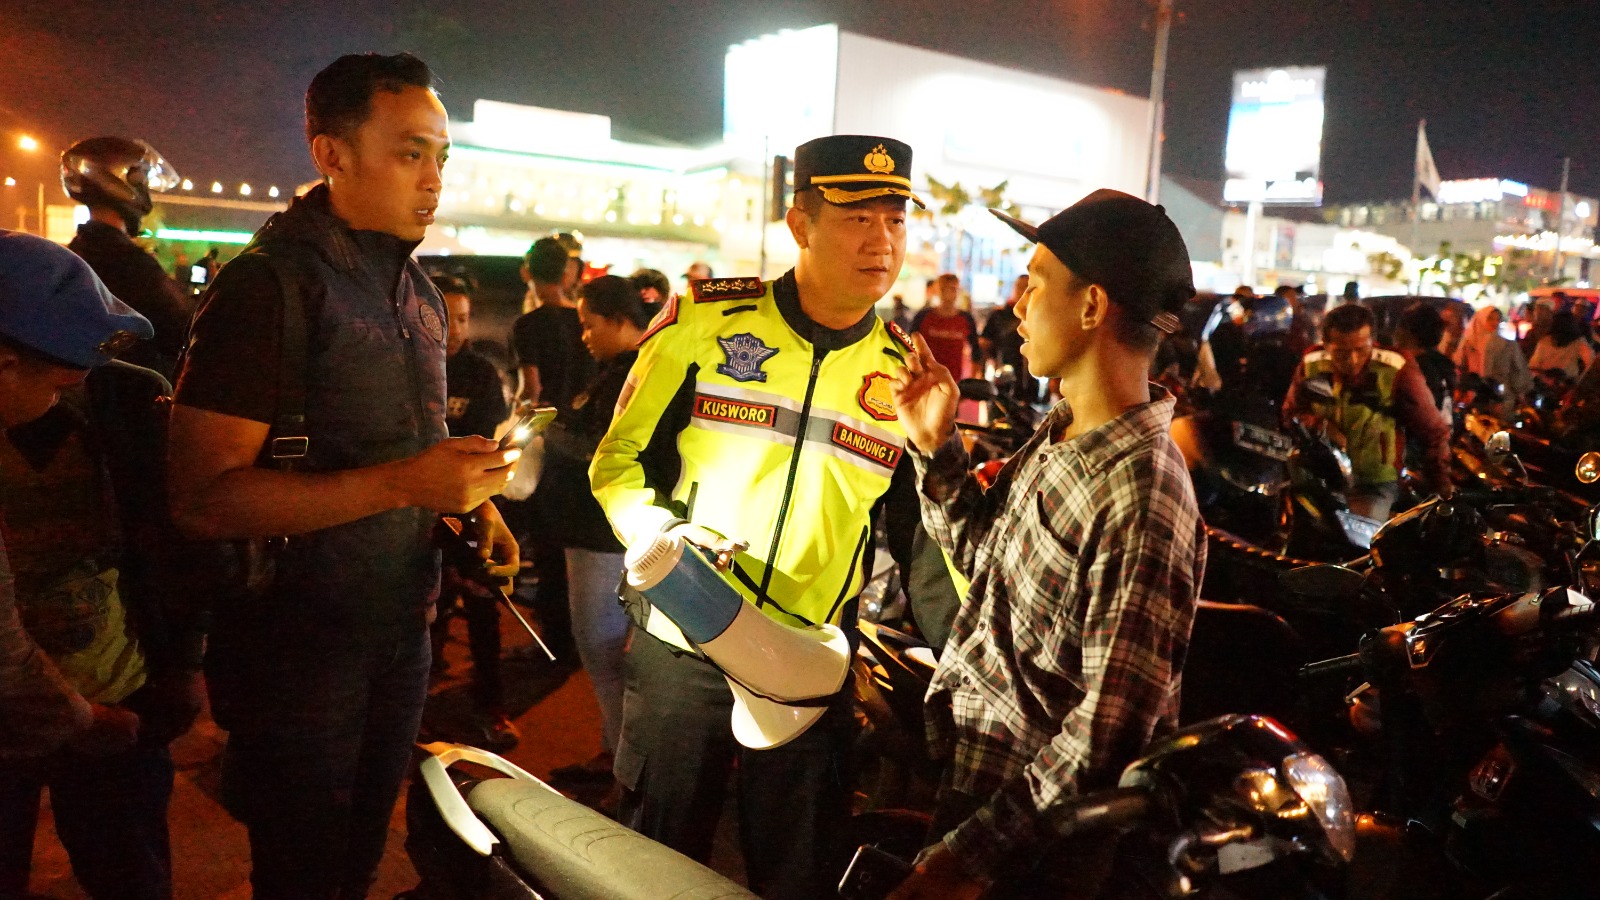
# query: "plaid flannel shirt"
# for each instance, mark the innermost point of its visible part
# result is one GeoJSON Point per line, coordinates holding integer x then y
{"type": "Point", "coordinates": [1086, 558]}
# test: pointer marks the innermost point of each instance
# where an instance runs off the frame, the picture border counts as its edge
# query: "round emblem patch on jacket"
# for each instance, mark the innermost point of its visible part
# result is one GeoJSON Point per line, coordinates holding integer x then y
{"type": "Point", "coordinates": [431, 322]}
{"type": "Point", "coordinates": [877, 397]}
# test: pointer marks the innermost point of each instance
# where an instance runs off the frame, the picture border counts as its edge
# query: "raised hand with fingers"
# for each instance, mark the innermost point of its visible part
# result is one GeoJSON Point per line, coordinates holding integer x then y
{"type": "Point", "coordinates": [926, 396]}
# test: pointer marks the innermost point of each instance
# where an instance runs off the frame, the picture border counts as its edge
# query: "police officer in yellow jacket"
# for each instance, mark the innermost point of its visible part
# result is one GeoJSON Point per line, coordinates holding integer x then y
{"type": "Point", "coordinates": [758, 422]}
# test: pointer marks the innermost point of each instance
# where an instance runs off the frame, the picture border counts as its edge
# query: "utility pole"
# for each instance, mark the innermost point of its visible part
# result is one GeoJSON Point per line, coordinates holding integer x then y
{"type": "Point", "coordinates": [1158, 83]}
{"type": "Point", "coordinates": [1561, 217]}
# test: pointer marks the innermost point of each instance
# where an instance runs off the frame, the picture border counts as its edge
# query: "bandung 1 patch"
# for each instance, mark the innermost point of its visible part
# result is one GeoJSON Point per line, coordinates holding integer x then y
{"type": "Point", "coordinates": [865, 446]}
{"type": "Point", "coordinates": [738, 412]}
{"type": "Point", "coordinates": [744, 355]}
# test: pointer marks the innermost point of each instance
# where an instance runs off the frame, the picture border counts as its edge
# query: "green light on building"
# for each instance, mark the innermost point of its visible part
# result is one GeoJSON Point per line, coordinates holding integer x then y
{"type": "Point", "coordinates": [209, 237]}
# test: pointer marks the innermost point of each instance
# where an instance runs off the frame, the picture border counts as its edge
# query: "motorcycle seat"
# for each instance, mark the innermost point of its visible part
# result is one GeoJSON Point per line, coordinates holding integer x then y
{"type": "Point", "coordinates": [576, 853]}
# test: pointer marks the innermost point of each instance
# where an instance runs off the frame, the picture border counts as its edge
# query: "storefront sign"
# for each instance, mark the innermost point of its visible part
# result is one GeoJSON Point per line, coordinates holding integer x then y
{"type": "Point", "coordinates": [1274, 149]}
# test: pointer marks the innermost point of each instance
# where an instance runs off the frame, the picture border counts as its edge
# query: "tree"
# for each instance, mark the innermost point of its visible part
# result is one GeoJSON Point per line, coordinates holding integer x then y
{"type": "Point", "coordinates": [1386, 265]}
{"type": "Point", "coordinates": [950, 201]}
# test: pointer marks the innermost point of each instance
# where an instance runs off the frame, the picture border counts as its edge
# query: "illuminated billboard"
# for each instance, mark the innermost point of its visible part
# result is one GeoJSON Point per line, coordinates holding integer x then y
{"type": "Point", "coordinates": [1274, 149]}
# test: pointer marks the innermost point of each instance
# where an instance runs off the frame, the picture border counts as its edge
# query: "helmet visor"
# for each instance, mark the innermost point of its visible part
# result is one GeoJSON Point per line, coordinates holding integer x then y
{"type": "Point", "coordinates": [154, 172]}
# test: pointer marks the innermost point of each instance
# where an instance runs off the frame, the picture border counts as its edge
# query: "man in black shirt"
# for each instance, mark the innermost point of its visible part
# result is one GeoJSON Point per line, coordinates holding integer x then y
{"type": "Point", "coordinates": [476, 405]}
{"type": "Point", "coordinates": [546, 342]}
{"type": "Point", "coordinates": [1003, 345]}
{"type": "Point", "coordinates": [319, 674]}
{"type": "Point", "coordinates": [113, 176]}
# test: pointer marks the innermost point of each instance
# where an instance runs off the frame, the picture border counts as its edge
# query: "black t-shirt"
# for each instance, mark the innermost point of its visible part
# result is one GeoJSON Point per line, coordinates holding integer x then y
{"type": "Point", "coordinates": [477, 401]}
{"type": "Point", "coordinates": [1001, 333]}
{"type": "Point", "coordinates": [231, 365]}
{"type": "Point", "coordinates": [137, 279]}
{"type": "Point", "coordinates": [551, 339]}
{"type": "Point", "coordinates": [569, 447]}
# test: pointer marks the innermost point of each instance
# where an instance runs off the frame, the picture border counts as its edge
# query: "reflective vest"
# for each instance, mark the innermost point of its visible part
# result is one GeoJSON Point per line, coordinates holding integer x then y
{"type": "Point", "coordinates": [1364, 412]}
{"type": "Point", "coordinates": [731, 418]}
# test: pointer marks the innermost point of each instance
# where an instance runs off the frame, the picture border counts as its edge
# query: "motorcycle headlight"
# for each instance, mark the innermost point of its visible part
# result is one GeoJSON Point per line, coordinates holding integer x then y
{"type": "Point", "coordinates": [1326, 796]}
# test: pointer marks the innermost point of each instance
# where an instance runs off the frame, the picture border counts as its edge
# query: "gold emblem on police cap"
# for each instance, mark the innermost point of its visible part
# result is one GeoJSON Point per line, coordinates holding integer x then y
{"type": "Point", "coordinates": [879, 161]}
{"type": "Point", "coordinates": [117, 342]}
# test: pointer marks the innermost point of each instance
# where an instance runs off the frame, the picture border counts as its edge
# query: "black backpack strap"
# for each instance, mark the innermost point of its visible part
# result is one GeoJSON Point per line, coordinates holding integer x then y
{"type": "Point", "coordinates": [287, 441]}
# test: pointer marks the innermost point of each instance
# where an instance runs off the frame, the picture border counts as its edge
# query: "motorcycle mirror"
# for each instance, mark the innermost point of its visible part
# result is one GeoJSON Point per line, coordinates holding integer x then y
{"type": "Point", "coordinates": [1499, 445]}
{"type": "Point", "coordinates": [976, 389]}
{"type": "Point", "coordinates": [1588, 469]}
{"type": "Point", "coordinates": [1325, 582]}
{"type": "Point", "coordinates": [1593, 524]}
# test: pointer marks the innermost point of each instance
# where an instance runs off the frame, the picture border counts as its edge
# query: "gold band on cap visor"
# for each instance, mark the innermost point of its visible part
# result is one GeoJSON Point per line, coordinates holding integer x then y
{"type": "Point", "coordinates": [839, 196]}
{"type": "Point", "coordinates": [844, 179]}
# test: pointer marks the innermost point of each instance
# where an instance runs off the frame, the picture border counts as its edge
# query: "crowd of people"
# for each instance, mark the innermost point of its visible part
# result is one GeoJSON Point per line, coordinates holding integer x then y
{"type": "Point", "coordinates": [1394, 373]}
{"type": "Point", "coordinates": [252, 513]}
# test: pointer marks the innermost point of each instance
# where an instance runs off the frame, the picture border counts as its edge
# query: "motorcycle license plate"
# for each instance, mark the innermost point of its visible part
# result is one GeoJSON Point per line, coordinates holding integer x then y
{"type": "Point", "coordinates": [1358, 530]}
{"type": "Point", "coordinates": [1261, 440]}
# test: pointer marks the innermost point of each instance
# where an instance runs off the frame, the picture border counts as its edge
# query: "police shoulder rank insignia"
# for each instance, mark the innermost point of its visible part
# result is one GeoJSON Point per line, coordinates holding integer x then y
{"type": "Point", "coordinates": [900, 336]}
{"type": "Point", "coordinates": [431, 322]}
{"type": "Point", "coordinates": [667, 316]}
{"type": "Point", "coordinates": [710, 290]}
{"type": "Point", "coordinates": [745, 354]}
{"type": "Point", "coordinates": [876, 397]}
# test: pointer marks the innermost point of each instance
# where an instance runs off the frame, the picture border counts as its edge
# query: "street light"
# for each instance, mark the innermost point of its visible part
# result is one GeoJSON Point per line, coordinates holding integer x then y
{"type": "Point", "coordinates": [27, 143]}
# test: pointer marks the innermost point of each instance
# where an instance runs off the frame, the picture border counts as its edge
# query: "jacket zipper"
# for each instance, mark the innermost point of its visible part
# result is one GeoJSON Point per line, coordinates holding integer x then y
{"type": "Point", "coordinates": [397, 305]}
{"type": "Point", "coordinates": [794, 470]}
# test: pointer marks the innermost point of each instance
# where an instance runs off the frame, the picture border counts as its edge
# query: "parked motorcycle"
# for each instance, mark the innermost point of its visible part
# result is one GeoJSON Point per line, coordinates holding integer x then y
{"type": "Point", "coordinates": [1238, 807]}
{"type": "Point", "coordinates": [1459, 701]}
{"type": "Point", "coordinates": [505, 835]}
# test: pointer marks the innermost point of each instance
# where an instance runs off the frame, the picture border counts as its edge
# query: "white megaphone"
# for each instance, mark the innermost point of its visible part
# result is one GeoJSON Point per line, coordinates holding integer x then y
{"type": "Point", "coordinates": [772, 667]}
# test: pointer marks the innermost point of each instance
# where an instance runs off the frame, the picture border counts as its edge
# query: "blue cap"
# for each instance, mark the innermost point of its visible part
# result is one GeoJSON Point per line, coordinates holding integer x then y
{"type": "Point", "coordinates": [51, 301]}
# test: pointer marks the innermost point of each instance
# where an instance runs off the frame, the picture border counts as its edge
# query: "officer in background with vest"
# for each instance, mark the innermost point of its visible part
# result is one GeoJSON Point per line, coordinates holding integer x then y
{"type": "Point", "coordinates": [759, 422]}
{"type": "Point", "coordinates": [1370, 397]}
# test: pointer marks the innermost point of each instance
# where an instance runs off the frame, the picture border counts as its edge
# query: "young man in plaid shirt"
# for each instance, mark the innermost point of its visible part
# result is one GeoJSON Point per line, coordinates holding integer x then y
{"type": "Point", "coordinates": [1085, 556]}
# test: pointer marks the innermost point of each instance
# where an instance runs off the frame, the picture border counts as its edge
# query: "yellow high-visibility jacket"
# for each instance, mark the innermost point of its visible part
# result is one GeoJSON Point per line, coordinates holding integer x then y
{"type": "Point", "coordinates": [745, 417]}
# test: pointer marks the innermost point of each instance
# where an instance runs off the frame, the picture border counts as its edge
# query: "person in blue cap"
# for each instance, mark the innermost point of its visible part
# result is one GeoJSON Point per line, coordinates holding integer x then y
{"type": "Point", "coordinates": [66, 678]}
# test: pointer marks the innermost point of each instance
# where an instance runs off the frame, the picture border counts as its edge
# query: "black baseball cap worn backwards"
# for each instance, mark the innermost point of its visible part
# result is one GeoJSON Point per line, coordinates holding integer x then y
{"type": "Point", "coordinates": [1125, 245]}
{"type": "Point", "coordinates": [848, 168]}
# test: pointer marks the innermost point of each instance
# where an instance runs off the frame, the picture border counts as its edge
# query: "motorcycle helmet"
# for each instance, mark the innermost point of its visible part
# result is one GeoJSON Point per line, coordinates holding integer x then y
{"type": "Point", "coordinates": [116, 172]}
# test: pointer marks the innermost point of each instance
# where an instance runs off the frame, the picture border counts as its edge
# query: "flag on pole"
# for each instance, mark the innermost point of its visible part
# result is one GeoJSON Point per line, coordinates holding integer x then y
{"type": "Point", "coordinates": [1427, 172]}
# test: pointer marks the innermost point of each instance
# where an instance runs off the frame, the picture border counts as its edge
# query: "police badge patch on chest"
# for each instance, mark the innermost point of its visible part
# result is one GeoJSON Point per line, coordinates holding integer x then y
{"type": "Point", "coordinates": [877, 398]}
{"type": "Point", "coordinates": [745, 355]}
{"type": "Point", "coordinates": [431, 322]}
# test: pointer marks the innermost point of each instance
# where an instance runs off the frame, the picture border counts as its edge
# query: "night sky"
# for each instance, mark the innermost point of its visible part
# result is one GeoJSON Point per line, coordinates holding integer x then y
{"type": "Point", "coordinates": [1507, 87]}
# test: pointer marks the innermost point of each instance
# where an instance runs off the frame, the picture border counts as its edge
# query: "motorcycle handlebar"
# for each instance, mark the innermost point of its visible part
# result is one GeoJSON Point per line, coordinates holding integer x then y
{"type": "Point", "coordinates": [1339, 665]}
{"type": "Point", "coordinates": [1105, 810]}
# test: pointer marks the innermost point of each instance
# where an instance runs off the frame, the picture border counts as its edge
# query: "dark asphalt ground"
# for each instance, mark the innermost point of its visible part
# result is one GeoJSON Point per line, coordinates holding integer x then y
{"type": "Point", "coordinates": [555, 709]}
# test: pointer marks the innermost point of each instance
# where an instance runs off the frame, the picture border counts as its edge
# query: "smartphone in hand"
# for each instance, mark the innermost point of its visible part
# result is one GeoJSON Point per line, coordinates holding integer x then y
{"type": "Point", "coordinates": [526, 428]}
{"type": "Point", "coordinates": [872, 874]}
